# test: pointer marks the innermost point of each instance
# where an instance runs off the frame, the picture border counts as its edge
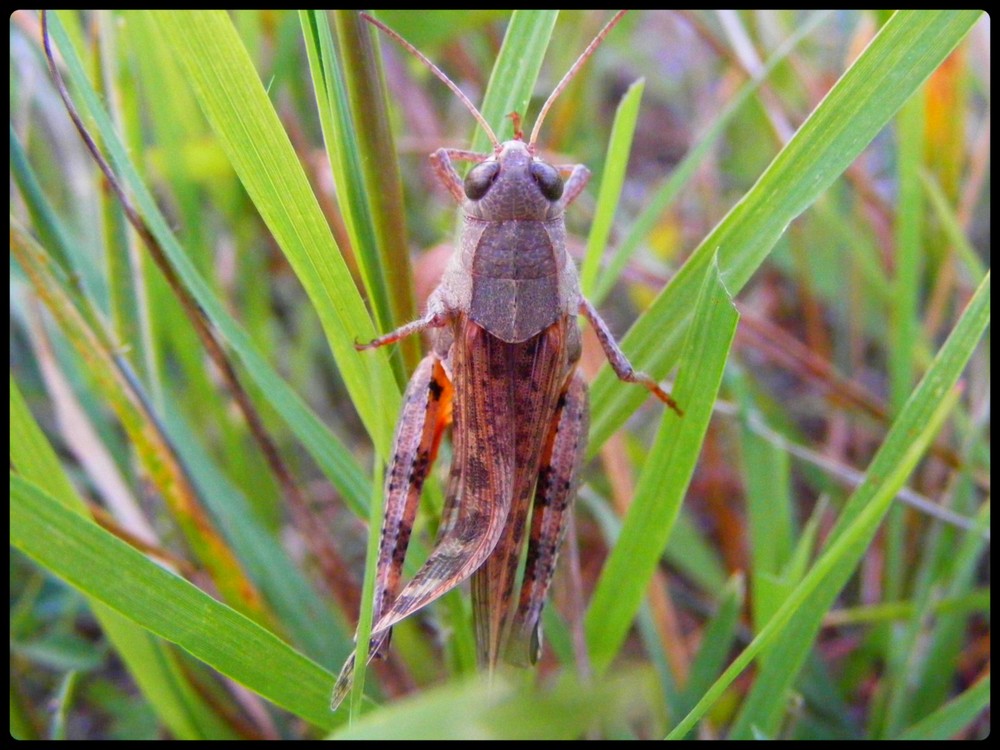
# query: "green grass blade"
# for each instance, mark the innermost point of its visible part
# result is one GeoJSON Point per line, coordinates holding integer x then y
{"type": "Point", "coordinates": [951, 227]}
{"type": "Point", "coordinates": [367, 594]}
{"type": "Point", "coordinates": [515, 72]}
{"type": "Point", "coordinates": [909, 247]}
{"type": "Point", "coordinates": [612, 180]}
{"type": "Point", "coordinates": [799, 618]}
{"type": "Point", "coordinates": [686, 549]}
{"type": "Point", "coordinates": [903, 311]}
{"type": "Point", "coordinates": [152, 445]}
{"type": "Point", "coordinates": [476, 709]}
{"type": "Point", "coordinates": [767, 479]}
{"type": "Point", "coordinates": [242, 116]}
{"type": "Point", "coordinates": [691, 552]}
{"type": "Point", "coordinates": [666, 194]}
{"type": "Point", "coordinates": [664, 479]}
{"type": "Point", "coordinates": [905, 52]}
{"type": "Point", "coordinates": [718, 638]}
{"type": "Point", "coordinates": [930, 642]}
{"type": "Point", "coordinates": [382, 184]}
{"type": "Point", "coordinates": [977, 601]}
{"type": "Point", "coordinates": [335, 460]}
{"type": "Point", "coordinates": [105, 568]}
{"type": "Point", "coordinates": [183, 711]}
{"type": "Point", "coordinates": [302, 609]}
{"type": "Point", "coordinates": [357, 148]}
{"type": "Point", "coordinates": [32, 455]}
{"type": "Point", "coordinates": [953, 716]}
{"type": "Point", "coordinates": [45, 220]}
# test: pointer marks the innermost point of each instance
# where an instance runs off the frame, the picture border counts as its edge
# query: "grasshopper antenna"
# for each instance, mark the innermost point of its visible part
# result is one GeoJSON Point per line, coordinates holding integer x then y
{"type": "Point", "coordinates": [571, 73]}
{"type": "Point", "coordinates": [440, 74]}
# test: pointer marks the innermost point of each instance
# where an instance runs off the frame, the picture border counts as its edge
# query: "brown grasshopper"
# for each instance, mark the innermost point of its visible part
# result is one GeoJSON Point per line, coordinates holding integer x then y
{"type": "Point", "coordinates": [502, 371]}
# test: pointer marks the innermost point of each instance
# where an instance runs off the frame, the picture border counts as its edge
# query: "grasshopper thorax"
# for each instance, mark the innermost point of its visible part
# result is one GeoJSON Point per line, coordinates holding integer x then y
{"type": "Point", "coordinates": [513, 276]}
{"type": "Point", "coordinates": [513, 185]}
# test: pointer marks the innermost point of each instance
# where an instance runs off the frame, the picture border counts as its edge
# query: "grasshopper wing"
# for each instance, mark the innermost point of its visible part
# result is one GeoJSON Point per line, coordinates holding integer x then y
{"type": "Point", "coordinates": [482, 470]}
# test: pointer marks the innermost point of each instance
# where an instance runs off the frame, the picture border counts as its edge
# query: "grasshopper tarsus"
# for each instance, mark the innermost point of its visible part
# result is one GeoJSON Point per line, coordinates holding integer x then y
{"type": "Point", "coordinates": [654, 388]}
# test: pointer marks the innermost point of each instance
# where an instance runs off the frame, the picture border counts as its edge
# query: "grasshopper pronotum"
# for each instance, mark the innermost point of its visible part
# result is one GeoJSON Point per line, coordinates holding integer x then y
{"type": "Point", "coordinates": [502, 370]}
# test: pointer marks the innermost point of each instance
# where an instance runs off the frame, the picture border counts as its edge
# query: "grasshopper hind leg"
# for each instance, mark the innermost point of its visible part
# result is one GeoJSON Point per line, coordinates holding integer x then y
{"type": "Point", "coordinates": [425, 414]}
{"type": "Point", "coordinates": [557, 481]}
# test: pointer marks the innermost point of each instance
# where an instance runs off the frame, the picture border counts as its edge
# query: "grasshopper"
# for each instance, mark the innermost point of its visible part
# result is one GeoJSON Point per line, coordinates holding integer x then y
{"type": "Point", "coordinates": [502, 371]}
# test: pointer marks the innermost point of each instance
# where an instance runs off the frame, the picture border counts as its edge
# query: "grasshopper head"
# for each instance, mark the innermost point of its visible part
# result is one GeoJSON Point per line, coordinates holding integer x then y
{"type": "Point", "coordinates": [514, 184]}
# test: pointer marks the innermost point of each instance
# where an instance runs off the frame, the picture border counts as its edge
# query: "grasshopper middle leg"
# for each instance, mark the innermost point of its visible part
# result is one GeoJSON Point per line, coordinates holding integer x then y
{"type": "Point", "coordinates": [619, 362]}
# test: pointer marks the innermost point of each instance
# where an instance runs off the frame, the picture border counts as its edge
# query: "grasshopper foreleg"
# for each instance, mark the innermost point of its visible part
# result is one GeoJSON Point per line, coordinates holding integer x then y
{"type": "Point", "coordinates": [619, 362]}
{"type": "Point", "coordinates": [433, 319]}
{"type": "Point", "coordinates": [577, 180]}
{"type": "Point", "coordinates": [557, 480]}
{"type": "Point", "coordinates": [426, 410]}
{"type": "Point", "coordinates": [441, 160]}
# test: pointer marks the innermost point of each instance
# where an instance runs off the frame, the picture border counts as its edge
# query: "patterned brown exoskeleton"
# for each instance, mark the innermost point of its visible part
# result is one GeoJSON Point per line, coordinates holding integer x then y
{"type": "Point", "coordinates": [502, 371]}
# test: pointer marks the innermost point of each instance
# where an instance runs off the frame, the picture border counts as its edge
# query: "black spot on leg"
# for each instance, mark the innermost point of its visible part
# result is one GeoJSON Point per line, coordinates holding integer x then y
{"type": "Point", "coordinates": [402, 542]}
{"type": "Point", "coordinates": [519, 527]}
{"type": "Point", "coordinates": [418, 472]}
{"type": "Point", "coordinates": [508, 588]}
{"type": "Point", "coordinates": [544, 482]}
{"type": "Point", "coordinates": [531, 559]}
{"type": "Point", "coordinates": [384, 543]}
{"type": "Point", "coordinates": [436, 389]}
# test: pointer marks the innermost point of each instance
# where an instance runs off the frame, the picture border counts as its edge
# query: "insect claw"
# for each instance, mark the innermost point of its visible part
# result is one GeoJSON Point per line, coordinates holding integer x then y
{"type": "Point", "coordinates": [666, 398]}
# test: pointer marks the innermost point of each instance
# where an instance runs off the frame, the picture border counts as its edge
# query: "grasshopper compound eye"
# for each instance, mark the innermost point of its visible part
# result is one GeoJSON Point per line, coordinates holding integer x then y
{"type": "Point", "coordinates": [480, 178]}
{"type": "Point", "coordinates": [548, 180]}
